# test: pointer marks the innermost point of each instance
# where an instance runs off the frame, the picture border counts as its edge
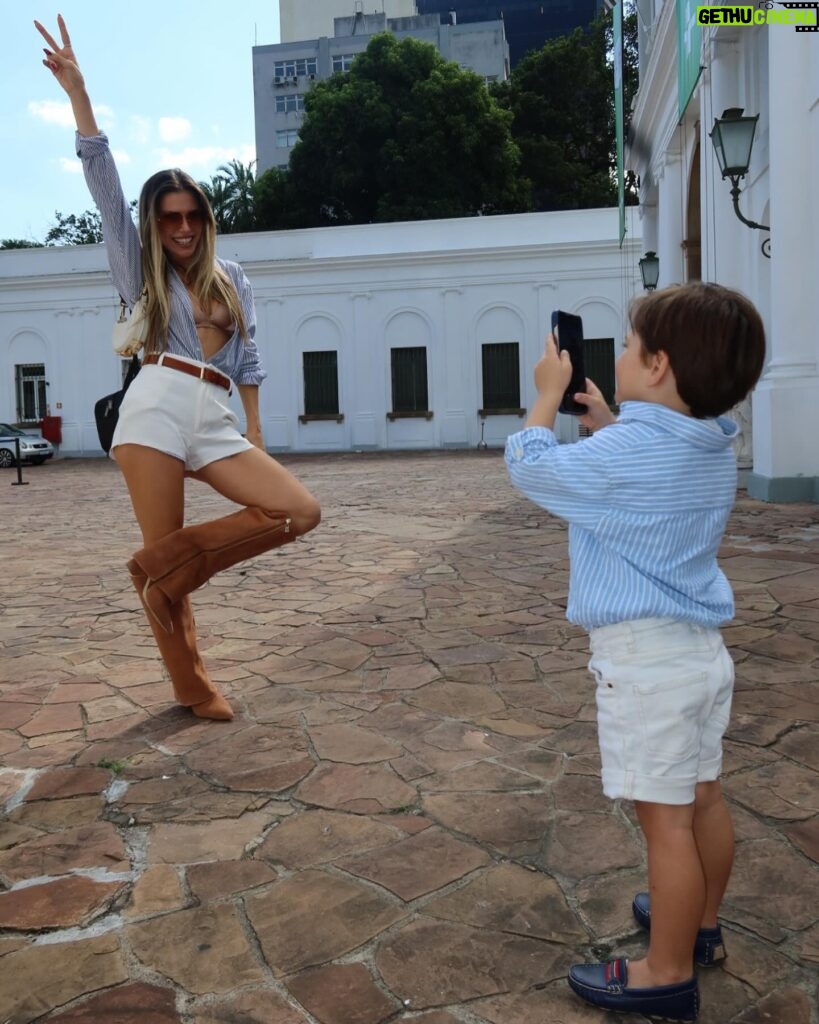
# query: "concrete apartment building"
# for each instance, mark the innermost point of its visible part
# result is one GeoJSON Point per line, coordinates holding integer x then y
{"type": "Point", "coordinates": [284, 72]}
{"type": "Point", "coordinates": [311, 20]}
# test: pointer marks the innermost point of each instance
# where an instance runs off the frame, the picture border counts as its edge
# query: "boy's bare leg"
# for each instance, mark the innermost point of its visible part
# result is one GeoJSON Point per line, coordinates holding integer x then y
{"type": "Point", "coordinates": [676, 882]}
{"type": "Point", "coordinates": [714, 836]}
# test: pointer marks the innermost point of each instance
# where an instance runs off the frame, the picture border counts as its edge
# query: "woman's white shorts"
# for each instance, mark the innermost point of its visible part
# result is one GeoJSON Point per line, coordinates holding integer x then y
{"type": "Point", "coordinates": [664, 693]}
{"type": "Point", "coordinates": [181, 415]}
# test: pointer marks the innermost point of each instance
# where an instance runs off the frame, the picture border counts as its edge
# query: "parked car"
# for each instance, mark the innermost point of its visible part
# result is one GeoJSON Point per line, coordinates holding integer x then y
{"type": "Point", "coordinates": [33, 447]}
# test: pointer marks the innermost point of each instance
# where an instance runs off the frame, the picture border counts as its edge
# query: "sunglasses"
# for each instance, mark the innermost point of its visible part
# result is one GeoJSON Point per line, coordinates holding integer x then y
{"type": "Point", "coordinates": [173, 219]}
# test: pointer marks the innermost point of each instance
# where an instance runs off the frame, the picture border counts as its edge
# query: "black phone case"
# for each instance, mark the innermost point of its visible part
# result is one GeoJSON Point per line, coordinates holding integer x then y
{"type": "Point", "coordinates": [570, 337]}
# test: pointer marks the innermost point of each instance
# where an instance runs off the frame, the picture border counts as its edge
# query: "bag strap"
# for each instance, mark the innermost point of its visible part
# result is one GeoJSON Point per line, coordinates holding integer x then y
{"type": "Point", "coordinates": [123, 304]}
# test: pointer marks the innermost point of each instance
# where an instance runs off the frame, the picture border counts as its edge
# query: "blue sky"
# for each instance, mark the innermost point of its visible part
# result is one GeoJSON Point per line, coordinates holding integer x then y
{"type": "Point", "coordinates": [172, 84]}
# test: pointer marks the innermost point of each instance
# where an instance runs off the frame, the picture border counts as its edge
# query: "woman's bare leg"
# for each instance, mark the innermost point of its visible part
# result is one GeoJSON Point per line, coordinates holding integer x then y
{"type": "Point", "coordinates": [254, 479]}
{"type": "Point", "coordinates": [155, 483]}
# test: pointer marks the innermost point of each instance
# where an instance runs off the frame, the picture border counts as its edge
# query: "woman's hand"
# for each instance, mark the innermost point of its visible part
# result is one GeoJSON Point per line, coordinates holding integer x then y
{"type": "Point", "coordinates": [598, 415]}
{"type": "Point", "coordinates": [256, 439]}
{"type": "Point", "coordinates": [61, 60]}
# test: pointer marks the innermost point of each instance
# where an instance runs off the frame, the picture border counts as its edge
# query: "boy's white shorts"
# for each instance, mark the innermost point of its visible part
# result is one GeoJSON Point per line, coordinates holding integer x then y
{"type": "Point", "coordinates": [663, 702]}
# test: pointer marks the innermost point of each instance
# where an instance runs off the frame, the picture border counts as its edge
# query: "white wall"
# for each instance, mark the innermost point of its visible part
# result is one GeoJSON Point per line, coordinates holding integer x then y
{"type": "Point", "coordinates": [450, 285]}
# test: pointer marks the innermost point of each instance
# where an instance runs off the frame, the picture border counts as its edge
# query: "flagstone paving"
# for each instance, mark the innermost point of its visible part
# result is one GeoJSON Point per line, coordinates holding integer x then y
{"type": "Point", "coordinates": [404, 821]}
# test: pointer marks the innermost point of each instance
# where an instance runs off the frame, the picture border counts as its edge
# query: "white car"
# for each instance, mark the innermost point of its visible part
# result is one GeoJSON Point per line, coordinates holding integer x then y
{"type": "Point", "coordinates": [33, 447]}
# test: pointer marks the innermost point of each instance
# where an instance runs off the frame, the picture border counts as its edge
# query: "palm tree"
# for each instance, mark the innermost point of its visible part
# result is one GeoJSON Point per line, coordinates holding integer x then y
{"type": "Point", "coordinates": [231, 195]}
{"type": "Point", "coordinates": [241, 181]}
{"type": "Point", "coordinates": [219, 198]}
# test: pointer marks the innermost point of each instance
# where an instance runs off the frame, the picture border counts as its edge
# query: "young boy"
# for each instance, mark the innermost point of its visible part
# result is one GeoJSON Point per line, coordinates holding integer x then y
{"type": "Point", "coordinates": [647, 499]}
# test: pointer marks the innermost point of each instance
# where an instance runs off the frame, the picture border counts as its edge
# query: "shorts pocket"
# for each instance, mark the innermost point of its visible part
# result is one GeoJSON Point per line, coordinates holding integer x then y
{"type": "Point", "coordinates": [671, 715]}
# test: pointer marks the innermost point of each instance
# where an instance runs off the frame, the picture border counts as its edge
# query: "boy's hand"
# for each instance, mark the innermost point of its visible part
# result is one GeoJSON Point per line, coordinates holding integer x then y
{"type": "Point", "coordinates": [553, 371]}
{"type": "Point", "coordinates": [598, 415]}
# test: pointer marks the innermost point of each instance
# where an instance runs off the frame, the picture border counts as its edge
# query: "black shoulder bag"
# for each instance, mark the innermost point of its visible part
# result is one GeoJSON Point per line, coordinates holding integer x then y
{"type": "Point", "coordinates": [106, 410]}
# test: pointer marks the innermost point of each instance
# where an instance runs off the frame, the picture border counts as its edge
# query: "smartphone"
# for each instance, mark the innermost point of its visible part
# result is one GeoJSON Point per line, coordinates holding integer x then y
{"type": "Point", "coordinates": [568, 331]}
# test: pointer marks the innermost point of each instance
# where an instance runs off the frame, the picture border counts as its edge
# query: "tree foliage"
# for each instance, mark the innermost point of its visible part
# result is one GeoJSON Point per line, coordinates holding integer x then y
{"type": "Point", "coordinates": [403, 135]}
{"type": "Point", "coordinates": [75, 229]}
{"type": "Point", "coordinates": [562, 102]}
{"type": "Point", "coordinates": [231, 193]}
{"type": "Point", "coordinates": [19, 243]}
{"type": "Point", "coordinates": [78, 229]}
{"type": "Point", "coordinates": [273, 200]}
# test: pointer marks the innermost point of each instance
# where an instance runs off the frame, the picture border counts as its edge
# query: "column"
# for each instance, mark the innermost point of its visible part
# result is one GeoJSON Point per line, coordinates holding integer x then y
{"type": "Point", "coordinates": [458, 420]}
{"type": "Point", "coordinates": [277, 392]}
{"type": "Point", "coordinates": [670, 221]}
{"type": "Point", "coordinates": [367, 426]}
{"type": "Point", "coordinates": [726, 241]}
{"type": "Point", "coordinates": [786, 402]}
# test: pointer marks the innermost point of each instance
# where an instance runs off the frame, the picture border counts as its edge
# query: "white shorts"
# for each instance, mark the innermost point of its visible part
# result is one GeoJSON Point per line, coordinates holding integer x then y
{"type": "Point", "coordinates": [179, 414]}
{"type": "Point", "coordinates": [663, 703]}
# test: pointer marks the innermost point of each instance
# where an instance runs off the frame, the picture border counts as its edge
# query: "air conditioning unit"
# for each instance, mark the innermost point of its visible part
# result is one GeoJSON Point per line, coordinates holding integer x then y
{"type": "Point", "coordinates": [278, 80]}
{"type": "Point", "coordinates": [312, 78]}
{"type": "Point", "coordinates": [295, 79]}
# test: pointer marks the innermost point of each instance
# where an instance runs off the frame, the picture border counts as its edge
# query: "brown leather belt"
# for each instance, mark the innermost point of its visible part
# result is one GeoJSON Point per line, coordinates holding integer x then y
{"type": "Point", "coordinates": [202, 372]}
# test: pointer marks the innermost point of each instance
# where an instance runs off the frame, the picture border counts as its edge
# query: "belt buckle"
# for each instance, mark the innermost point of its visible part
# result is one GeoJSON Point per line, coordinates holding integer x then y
{"type": "Point", "coordinates": [202, 372]}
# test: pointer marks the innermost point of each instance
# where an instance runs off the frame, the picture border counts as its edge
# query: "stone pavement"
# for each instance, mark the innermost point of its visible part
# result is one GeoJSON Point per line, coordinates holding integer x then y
{"type": "Point", "coordinates": [404, 822]}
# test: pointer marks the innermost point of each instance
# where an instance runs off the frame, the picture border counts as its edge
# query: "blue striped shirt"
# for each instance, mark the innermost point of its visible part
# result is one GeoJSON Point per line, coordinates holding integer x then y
{"type": "Point", "coordinates": [647, 500]}
{"type": "Point", "coordinates": [238, 358]}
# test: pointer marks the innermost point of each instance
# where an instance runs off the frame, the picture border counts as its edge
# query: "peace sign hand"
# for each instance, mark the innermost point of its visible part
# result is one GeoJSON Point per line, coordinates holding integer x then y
{"type": "Point", "coordinates": [61, 60]}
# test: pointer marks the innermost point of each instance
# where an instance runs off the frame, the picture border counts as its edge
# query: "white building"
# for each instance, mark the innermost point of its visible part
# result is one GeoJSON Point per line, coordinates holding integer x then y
{"type": "Point", "coordinates": [386, 336]}
{"type": "Point", "coordinates": [770, 70]}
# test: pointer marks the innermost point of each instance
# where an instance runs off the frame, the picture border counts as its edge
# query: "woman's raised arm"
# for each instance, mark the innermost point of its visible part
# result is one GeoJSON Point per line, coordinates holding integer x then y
{"type": "Point", "coordinates": [62, 63]}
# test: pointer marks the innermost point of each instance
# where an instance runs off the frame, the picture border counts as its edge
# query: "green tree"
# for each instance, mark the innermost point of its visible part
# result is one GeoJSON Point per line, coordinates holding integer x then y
{"type": "Point", "coordinates": [19, 243]}
{"type": "Point", "coordinates": [75, 229]}
{"type": "Point", "coordinates": [218, 194]}
{"type": "Point", "coordinates": [78, 229]}
{"type": "Point", "coordinates": [231, 193]}
{"type": "Point", "coordinates": [404, 135]}
{"type": "Point", "coordinates": [562, 102]}
{"type": "Point", "coordinates": [273, 200]}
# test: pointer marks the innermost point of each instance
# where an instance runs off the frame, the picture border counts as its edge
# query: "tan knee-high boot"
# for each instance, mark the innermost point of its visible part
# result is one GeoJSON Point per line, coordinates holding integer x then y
{"type": "Point", "coordinates": [192, 686]}
{"type": "Point", "coordinates": [185, 559]}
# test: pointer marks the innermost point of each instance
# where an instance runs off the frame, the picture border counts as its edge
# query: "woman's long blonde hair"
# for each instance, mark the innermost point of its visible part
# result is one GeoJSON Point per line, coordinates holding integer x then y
{"type": "Point", "coordinates": [205, 278]}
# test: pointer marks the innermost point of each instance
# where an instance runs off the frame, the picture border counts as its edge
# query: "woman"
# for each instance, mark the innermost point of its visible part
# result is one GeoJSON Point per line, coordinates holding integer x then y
{"type": "Point", "coordinates": [174, 421]}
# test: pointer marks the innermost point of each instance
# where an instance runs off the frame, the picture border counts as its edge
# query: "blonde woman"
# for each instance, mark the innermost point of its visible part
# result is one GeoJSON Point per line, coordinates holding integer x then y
{"type": "Point", "coordinates": [175, 420]}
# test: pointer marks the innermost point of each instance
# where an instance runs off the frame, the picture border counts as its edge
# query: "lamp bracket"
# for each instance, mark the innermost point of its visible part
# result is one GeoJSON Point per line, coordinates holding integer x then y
{"type": "Point", "coordinates": [735, 193]}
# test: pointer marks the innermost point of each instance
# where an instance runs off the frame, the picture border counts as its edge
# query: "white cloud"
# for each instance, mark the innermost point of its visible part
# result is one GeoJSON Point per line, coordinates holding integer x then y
{"type": "Point", "coordinates": [71, 166]}
{"type": "Point", "coordinates": [58, 112]}
{"type": "Point", "coordinates": [140, 129]}
{"type": "Point", "coordinates": [174, 129]}
{"type": "Point", "coordinates": [121, 156]}
{"type": "Point", "coordinates": [105, 117]}
{"type": "Point", "coordinates": [207, 157]}
{"type": "Point", "coordinates": [52, 112]}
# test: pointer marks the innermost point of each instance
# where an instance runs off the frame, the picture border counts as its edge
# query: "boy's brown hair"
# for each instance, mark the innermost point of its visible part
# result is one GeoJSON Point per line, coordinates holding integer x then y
{"type": "Point", "coordinates": [714, 339]}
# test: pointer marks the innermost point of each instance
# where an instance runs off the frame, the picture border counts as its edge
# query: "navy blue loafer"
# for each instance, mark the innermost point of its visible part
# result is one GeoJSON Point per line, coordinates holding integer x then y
{"type": "Point", "coordinates": [709, 948]}
{"type": "Point", "coordinates": [606, 986]}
